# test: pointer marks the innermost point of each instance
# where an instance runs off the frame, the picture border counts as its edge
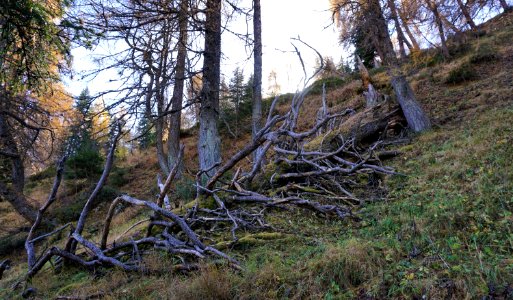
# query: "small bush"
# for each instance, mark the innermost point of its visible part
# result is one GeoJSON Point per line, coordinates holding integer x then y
{"type": "Point", "coordinates": [11, 243]}
{"type": "Point", "coordinates": [426, 58]}
{"type": "Point", "coordinates": [71, 212]}
{"type": "Point", "coordinates": [185, 189]}
{"type": "Point", "coordinates": [107, 194]}
{"type": "Point", "coordinates": [484, 53]}
{"type": "Point", "coordinates": [461, 74]}
{"type": "Point", "coordinates": [117, 177]}
{"type": "Point", "coordinates": [85, 164]}
{"type": "Point", "coordinates": [46, 173]}
{"type": "Point", "coordinates": [330, 83]}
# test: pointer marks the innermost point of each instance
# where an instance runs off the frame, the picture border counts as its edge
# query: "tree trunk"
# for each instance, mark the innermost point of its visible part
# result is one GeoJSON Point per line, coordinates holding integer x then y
{"type": "Point", "coordinates": [439, 24]}
{"type": "Point", "coordinates": [400, 35]}
{"type": "Point", "coordinates": [109, 162]}
{"type": "Point", "coordinates": [160, 87]}
{"type": "Point", "coordinates": [209, 151]}
{"type": "Point", "coordinates": [505, 5]}
{"type": "Point", "coordinates": [415, 116]}
{"type": "Point", "coordinates": [173, 140]}
{"type": "Point", "coordinates": [466, 14]}
{"type": "Point", "coordinates": [18, 201]}
{"type": "Point", "coordinates": [14, 195]}
{"type": "Point", "coordinates": [257, 70]}
{"type": "Point", "coordinates": [415, 44]}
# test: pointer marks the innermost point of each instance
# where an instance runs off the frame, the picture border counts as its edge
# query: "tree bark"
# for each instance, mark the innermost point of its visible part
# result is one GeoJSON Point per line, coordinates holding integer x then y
{"type": "Point", "coordinates": [71, 246]}
{"type": "Point", "coordinates": [505, 5]}
{"type": "Point", "coordinates": [160, 87]}
{"type": "Point", "coordinates": [14, 194]}
{"type": "Point", "coordinates": [466, 14]}
{"type": "Point", "coordinates": [415, 116]}
{"type": "Point", "coordinates": [209, 151]}
{"type": "Point", "coordinates": [433, 6]}
{"type": "Point", "coordinates": [400, 35]}
{"type": "Point", "coordinates": [173, 140]}
{"type": "Point", "coordinates": [415, 44]}
{"type": "Point", "coordinates": [257, 70]}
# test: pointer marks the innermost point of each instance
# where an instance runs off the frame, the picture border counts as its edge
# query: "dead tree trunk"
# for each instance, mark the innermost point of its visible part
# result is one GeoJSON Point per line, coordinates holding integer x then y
{"type": "Point", "coordinates": [209, 151]}
{"type": "Point", "coordinates": [160, 87]}
{"type": "Point", "coordinates": [466, 14]}
{"type": "Point", "coordinates": [415, 116]}
{"type": "Point", "coordinates": [433, 7]}
{"type": "Point", "coordinates": [257, 72]}
{"type": "Point", "coordinates": [29, 243]}
{"type": "Point", "coordinates": [71, 246]}
{"type": "Point", "coordinates": [173, 140]}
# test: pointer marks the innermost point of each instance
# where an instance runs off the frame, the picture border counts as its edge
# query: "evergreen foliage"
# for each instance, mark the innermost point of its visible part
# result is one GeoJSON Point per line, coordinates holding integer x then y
{"type": "Point", "coordinates": [85, 160]}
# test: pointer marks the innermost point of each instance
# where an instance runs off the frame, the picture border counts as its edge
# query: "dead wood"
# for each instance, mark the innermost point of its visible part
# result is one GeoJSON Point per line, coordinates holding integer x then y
{"type": "Point", "coordinates": [29, 242]}
{"type": "Point", "coordinates": [4, 265]}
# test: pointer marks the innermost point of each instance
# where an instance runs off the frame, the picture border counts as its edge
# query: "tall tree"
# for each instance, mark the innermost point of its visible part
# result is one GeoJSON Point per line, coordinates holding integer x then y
{"type": "Point", "coordinates": [403, 12]}
{"type": "Point", "coordinates": [400, 34]}
{"type": "Point", "coordinates": [256, 120]}
{"type": "Point", "coordinates": [209, 143]}
{"type": "Point", "coordinates": [175, 121]}
{"type": "Point", "coordinates": [433, 7]}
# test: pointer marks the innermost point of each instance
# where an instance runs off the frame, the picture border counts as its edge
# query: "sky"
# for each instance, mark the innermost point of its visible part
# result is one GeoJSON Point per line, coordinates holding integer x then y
{"type": "Point", "coordinates": [282, 20]}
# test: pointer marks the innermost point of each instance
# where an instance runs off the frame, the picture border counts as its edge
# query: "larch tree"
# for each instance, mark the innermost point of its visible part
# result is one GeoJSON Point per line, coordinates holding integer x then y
{"type": "Point", "coordinates": [433, 6]}
{"type": "Point", "coordinates": [400, 34]}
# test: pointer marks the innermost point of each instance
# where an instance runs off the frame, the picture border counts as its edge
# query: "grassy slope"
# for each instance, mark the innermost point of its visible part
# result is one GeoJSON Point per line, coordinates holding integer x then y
{"type": "Point", "coordinates": [445, 230]}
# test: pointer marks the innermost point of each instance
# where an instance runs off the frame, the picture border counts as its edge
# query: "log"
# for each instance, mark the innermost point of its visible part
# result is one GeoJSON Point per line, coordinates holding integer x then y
{"type": "Point", "coordinates": [364, 126]}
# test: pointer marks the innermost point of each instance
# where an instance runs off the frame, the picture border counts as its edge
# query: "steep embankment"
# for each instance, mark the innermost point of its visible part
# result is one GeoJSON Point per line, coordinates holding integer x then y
{"type": "Point", "coordinates": [443, 231]}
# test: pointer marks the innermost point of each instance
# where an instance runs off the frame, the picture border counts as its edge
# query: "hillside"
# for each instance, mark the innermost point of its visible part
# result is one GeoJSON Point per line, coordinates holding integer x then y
{"type": "Point", "coordinates": [443, 230]}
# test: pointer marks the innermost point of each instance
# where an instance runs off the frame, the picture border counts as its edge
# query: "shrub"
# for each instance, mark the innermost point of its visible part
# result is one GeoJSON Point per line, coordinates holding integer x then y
{"type": "Point", "coordinates": [71, 211]}
{"type": "Point", "coordinates": [330, 82]}
{"type": "Point", "coordinates": [46, 173]}
{"type": "Point", "coordinates": [426, 58]}
{"type": "Point", "coordinates": [11, 243]}
{"type": "Point", "coordinates": [84, 164]}
{"type": "Point", "coordinates": [460, 74]}
{"type": "Point", "coordinates": [117, 177]}
{"type": "Point", "coordinates": [185, 189]}
{"type": "Point", "coordinates": [485, 52]}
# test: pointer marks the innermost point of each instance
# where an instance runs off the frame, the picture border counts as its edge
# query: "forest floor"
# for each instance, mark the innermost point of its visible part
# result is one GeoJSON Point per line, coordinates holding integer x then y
{"type": "Point", "coordinates": [443, 231]}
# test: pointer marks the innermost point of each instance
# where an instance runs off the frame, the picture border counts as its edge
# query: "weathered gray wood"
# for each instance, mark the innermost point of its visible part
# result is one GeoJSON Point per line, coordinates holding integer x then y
{"type": "Point", "coordinates": [29, 243]}
{"type": "Point", "coordinates": [209, 143]}
{"type": "Point", "coordinates": [257, 71]}
{"type": "Point", "coordinates": [71, 246]}
{"type": "Point", "coordinates": [173, 140]}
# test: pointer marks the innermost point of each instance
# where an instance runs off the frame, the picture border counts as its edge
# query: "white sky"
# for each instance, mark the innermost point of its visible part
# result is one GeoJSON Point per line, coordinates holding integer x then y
{"type": "Point", "coordinates": [281, 21]}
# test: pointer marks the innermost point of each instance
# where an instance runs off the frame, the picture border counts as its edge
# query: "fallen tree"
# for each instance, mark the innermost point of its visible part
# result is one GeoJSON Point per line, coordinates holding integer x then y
{"type": "Point", "coordinates": [321, 171]}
